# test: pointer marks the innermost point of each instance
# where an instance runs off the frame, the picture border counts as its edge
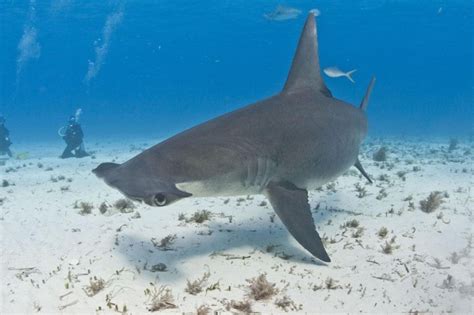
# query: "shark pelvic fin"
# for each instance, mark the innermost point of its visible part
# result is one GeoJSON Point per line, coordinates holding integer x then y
{"type": "Point", "coordinates": [365, 100]}
{"type": "Point", "coordinates": [305, 72]}
{"type": "Point", "coordinates": [358, 165]}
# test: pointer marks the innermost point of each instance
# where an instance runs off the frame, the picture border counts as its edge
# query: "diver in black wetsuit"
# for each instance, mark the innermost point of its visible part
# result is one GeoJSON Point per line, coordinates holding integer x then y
{"type": "Point", "coordinates": [74, 140]}
{"type": "Point", "coordinates": [4, 138]}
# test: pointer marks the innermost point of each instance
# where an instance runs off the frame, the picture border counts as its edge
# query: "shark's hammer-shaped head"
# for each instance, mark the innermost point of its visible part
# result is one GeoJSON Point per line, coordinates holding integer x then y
{"type": "Point", "coordinates": [136, 182]}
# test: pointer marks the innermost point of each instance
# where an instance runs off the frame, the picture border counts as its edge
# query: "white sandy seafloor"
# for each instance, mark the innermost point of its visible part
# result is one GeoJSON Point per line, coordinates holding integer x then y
{"type": "Point", "coordinates": [50, 253]}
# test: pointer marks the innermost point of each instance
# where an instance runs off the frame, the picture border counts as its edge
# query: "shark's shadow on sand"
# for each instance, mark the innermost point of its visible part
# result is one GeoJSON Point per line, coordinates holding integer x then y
{"type": "Point", "coordinates": [254, 234]}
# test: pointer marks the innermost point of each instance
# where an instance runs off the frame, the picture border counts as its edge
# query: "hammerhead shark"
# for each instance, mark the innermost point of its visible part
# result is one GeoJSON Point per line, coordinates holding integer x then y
{"type": "Point", "coordinates": [281, 146]}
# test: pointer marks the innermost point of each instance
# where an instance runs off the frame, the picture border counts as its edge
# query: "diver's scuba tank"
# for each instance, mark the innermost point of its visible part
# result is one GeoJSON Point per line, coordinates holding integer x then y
{"type": "Point", "coordinates": [62, 130]}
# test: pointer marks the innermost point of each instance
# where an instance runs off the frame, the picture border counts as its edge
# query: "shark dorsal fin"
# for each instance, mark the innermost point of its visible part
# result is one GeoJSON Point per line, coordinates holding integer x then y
{"type": "Point", "coordinates": [305, 72]}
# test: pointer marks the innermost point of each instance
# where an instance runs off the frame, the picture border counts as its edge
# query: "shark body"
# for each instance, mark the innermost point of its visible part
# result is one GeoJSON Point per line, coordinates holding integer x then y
{"type": "Point", "coordinates": [282, 146]}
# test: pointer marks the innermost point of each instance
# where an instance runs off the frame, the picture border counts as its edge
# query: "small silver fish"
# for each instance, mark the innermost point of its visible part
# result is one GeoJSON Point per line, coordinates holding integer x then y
{"type": "Point", "coordinates": [282, 13]}
{"type": "Point", "coordinates": [335, 72]}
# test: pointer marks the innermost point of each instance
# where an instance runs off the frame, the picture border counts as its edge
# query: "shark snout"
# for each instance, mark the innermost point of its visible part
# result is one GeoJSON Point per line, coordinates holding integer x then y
{"type": "Point", "coordinates": [139, 186]}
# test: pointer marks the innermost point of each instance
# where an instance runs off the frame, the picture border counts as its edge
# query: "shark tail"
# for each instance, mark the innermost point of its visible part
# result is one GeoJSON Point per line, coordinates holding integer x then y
{"type": "Point", "coordinates": [365, 100]}
{"type": "Point", "coordinates": [348, 75]}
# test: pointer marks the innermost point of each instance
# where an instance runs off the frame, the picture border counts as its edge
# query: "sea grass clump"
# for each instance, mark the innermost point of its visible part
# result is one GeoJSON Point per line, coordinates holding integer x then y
{"type": "Point", "coordinates": [380, 155]}
{"type": "Point", "coordinates": [351, 224]}
{"type": "Point", "coordinates": [159, 267]}
{"type": "Point", "coordinates": [387, 248]}
{"type": "Point", "coordinates": [203, 310]}
{"type": "Point", "coordinates": [358, 232]}
{"type": "Point", "coordinates": [165, 243]}
{"type": "Point", "coordinates": [331, 284]}
{"type": "Point", "coordinates": [402, 175]}
{"type": "Point", "coordinates": [124, 205]}
{"type": "Point", "coordinates": [104, 206]}
{"type": "Point", "coordinates": [196, 286]}
{"type": "Point", "coordinates": [243, 306]}
{"type": "Point", "coordinates": [260, 288]}
{"type": "Point", "coordinates": [160, 298]}
{"type": "Point", "coordinates": [361, 191]}
{"type": "Point", "coordinates": [448, 283]}
{"type": "Point", "coordinates": [286, 304]}
{"type": "Point", "coordinates": [433, 202]}
{"type": "Point", "coordinates": [84, 207]}
{"type": "Point", "coordinates": [454, 257]}
{"type": "Point", "coordinates": [382, 233]}
{"type": "Point", "coordinates": [331, 187]}
{"type": "Point", "coordinates": [95, 286]}
{"type": "Point", "coordinates": [453, 144]}
{"type": "Point", "coordinates": [200, 216]}
{"type": "Point", "coordinates": [382, 194]}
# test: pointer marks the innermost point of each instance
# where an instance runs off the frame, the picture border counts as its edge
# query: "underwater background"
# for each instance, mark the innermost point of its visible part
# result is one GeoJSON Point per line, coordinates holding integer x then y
{"type": "Point", "coordinates": [144, 70]}
{"type": "Point", "coordinates": [153, 68]}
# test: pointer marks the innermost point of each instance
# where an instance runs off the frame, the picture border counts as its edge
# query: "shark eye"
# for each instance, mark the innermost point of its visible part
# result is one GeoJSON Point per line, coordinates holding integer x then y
{"type": "Point", "coordinates": [159, 200]}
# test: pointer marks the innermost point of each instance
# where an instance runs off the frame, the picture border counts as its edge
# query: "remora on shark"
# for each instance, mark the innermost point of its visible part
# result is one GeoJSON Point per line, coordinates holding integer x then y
{"type": "Point", "coordinates": [282, 146]}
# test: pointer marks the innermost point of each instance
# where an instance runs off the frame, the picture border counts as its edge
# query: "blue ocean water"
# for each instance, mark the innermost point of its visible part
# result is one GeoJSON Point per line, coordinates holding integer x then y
{"type": "Point", "coordinates": [153, 68]}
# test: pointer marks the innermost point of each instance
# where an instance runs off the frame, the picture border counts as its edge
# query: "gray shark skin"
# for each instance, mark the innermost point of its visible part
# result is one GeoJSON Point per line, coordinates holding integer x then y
{"type": "Point", "coordinates": [282, 146]}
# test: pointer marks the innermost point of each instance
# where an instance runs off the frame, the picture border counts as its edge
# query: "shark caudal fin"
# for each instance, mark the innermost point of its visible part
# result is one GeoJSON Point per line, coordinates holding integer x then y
{"type": "Point", "coordinates": [365, 100]}
{"type": "Point", "coordinates": [305, 72]}
{"type": "Point", "coordinates": [363, 107]}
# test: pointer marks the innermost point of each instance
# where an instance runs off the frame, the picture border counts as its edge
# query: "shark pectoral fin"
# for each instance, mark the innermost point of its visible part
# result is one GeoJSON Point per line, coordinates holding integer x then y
{"type": "Point", "coordinates": [358, 165]}
{"type": "Point", "coordinates": [291, 205]}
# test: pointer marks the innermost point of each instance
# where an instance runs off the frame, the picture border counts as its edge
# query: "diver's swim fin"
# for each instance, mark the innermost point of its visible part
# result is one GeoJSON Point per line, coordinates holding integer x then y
{"type": "Point", "coordinates": [358, 165]}
{"type": "Point", "coordinates": [291, 205]}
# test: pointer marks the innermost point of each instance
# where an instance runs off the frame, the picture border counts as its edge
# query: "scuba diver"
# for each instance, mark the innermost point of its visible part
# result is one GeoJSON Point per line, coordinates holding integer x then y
{"type": "Point", "coordinates": [73, 135]}
{"type": "Point", "coordinates": [4, 138]}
